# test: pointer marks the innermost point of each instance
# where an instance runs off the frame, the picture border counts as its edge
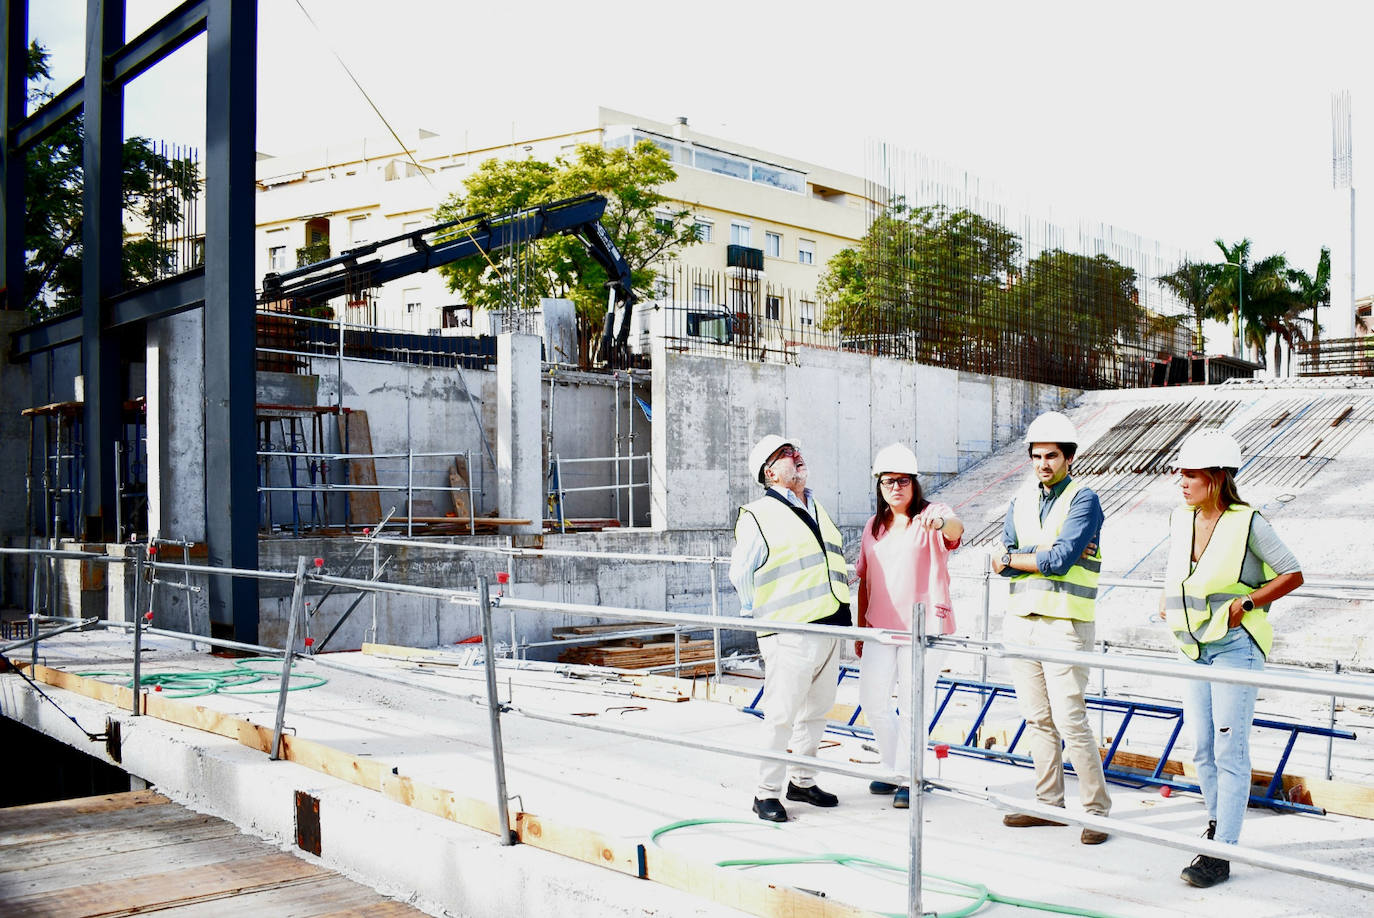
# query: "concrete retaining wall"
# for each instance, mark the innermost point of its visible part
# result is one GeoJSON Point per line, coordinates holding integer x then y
{"type": "Point", "coordinates": [842, 407]}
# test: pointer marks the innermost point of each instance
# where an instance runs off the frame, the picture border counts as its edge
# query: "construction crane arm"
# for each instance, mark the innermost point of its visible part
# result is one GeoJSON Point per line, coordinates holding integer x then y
{"type": "Point", "coordinates": [353, 271]}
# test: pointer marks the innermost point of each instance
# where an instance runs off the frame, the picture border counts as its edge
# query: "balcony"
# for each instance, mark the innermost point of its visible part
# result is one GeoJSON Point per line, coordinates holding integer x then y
{"type": "Point", "coordinates": [742, 256]}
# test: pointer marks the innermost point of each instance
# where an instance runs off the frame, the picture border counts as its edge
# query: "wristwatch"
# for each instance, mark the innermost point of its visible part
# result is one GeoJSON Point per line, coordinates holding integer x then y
{"type": "Point", "coordinates": [1006, 560]}
{"type": "Point", "coordinates": [1247, 604]}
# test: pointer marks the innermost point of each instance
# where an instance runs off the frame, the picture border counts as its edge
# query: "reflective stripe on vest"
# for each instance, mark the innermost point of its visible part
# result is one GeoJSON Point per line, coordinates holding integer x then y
{"type": "Point", "coordinates": [1197, 602]}
{"type": "Point", "coordinates": [1072, 594]}
{"type": "Point", "coordinates": [797, 581]}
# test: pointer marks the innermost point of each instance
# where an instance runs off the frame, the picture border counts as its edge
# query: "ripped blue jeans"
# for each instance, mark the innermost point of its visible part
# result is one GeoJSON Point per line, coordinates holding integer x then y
{"type": "Point", "coordinates": [1219, 715]}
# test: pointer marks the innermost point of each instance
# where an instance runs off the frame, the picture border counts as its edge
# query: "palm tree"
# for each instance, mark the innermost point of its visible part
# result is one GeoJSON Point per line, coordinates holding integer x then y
{"type": "Point", "coordinates": [1313, 290]}
{"type": "Point", "coordinates": [1268, 303]}
{"type": "Point", "coordinates": [1192, 282]}
{"type": "Point", "coordinates": [1229, 290]}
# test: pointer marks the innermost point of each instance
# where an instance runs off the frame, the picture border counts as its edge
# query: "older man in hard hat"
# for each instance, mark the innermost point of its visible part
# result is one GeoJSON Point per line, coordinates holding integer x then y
{"type": "Point", "coordinates": [788, 566]}
{"type": "Point", "coordinates": [1050, 553]}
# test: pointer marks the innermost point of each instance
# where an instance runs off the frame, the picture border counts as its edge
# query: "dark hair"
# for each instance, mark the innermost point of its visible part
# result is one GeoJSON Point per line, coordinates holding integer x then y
{"type": "Point", "coordinates": [883, 518]}
{"type": "Point", "coordinates": [1068, 449]}
{"type": "Point", "coordinates": [1223, 487]}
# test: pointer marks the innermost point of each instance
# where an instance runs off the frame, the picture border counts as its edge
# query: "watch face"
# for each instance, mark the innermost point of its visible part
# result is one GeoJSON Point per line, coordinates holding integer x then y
{"type": "Point", "coordinates": [1006, 559]}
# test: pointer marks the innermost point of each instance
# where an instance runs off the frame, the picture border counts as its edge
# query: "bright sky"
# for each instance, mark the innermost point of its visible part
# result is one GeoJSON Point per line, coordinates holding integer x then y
{"type": "Point", "coordinates": [1178, 120]}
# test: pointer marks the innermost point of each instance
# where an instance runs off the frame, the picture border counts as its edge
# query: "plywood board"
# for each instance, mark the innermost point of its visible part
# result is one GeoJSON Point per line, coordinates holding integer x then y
{"type": "Point", "coordinates": [364, 507]}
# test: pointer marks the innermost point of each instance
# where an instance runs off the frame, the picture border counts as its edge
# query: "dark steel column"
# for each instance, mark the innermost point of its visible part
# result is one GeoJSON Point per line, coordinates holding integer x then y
{"type": "Point", "coordinates": [230, 326]}
{"type": "Point", "coordinates": [102, 241]}
{"type": "Point", "coordinates": [12, 109]}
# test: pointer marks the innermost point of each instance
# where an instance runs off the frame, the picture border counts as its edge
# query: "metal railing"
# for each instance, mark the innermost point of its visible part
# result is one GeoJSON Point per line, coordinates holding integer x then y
{"type": "Point", "coordinates": [558, 491]}
{"type": "Point", "coordinates": [410, 487]}
{"type": "Point", "coordinates": [1344, 686]}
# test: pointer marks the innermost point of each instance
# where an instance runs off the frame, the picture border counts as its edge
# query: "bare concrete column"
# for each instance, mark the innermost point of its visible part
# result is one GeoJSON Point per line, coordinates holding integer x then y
{"type": "Point", "coordinates": [519, 445]}
{"type": "Point", "coordinates": [176, 456]}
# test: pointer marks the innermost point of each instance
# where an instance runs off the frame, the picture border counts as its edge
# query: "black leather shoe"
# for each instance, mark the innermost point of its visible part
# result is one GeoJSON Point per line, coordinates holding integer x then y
{"type": "Point", "coordinates": [1206, 871]}
{"type": "Point", "coordinates": [770, 809]}
{"type": "Point", "coordinates": [812, 795]}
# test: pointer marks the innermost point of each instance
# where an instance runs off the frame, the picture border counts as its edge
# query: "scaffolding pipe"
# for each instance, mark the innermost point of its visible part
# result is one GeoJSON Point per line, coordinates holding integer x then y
{"type": "Point", "coordinates": [494, 709]}
{"type": "Point", "coordinates": [297, 594]}
{"type": "Point", "coordinates": [916, 760]}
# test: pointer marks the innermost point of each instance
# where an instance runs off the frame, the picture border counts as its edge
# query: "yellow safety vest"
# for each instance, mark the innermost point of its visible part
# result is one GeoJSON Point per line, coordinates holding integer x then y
{"type": "Point", "coordinates": [1072, 594]}
{"type": "Point", "coordinates": [797, 581]}
{"type": "Point", "coordinates": [1197, 599]}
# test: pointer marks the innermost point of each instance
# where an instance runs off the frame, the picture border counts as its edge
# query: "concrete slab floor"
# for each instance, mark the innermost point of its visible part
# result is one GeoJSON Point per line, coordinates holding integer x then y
{"type": "Point", "coordinates": [425, 726]}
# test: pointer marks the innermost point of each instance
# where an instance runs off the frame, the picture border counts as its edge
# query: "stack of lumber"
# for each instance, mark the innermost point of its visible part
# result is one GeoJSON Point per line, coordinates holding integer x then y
{"type": "Point", "coordinates": [636, 653]}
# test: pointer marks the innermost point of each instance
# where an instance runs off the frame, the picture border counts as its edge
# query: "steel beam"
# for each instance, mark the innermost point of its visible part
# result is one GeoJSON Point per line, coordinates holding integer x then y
{"type": "Point", "coordinates": [230, 322]}
{"type": "Point", "coordinates": [12, 109]}
{"type": "Point", "coordinates": [160, 40]}
{"type": "Point", "coordinates": [157, 300]}
{"type": "Point", "coordinates": [102, 242]}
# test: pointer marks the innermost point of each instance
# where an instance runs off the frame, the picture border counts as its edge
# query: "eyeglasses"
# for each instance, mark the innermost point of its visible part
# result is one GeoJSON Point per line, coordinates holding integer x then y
{"type": "Point", "coordinates": [786, 451]}
{"type": "Point", "coordinates": [893, 484]}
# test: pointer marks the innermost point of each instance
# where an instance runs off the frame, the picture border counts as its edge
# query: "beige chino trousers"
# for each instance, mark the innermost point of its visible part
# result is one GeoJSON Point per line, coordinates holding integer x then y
{"type": "Point", "coordinates": [1050, 696]}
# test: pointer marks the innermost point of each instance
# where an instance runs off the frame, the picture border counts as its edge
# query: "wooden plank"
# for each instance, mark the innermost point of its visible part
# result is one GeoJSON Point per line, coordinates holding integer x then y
{"type": "Point", "coordinates": [737, 890]}
{"type": "Point", "coordinates": [440, 802]}
{"type": "Point", "coordinates": [312, 897]}
{"type": "Point", "coordinates": [152, 861]}
{"type": "Point", "coordinates": [123, 896]}
{"type": "Point", "coordinates": [364, 507]}
{"type": "Point", "coordinates": [37, 813]}
{"type": "Point", "coordinates": [458, 478]}
{"type": "Point", "coordinates": [620, 855]}
{"type": "Point", "coordinates": [42, 849]}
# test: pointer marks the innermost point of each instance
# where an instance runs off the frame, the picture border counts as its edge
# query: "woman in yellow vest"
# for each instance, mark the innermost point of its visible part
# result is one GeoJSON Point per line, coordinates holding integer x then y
{"type": "Point", "coordinates": [1225, 566]}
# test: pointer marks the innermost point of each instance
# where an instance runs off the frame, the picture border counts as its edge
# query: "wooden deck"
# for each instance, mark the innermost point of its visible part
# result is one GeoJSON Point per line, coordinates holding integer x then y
{"type": "Point", "coordinates": [137, 852]}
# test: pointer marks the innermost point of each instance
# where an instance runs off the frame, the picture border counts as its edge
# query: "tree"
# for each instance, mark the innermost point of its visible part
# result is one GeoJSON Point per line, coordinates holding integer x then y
{"type": "Point", "coordinates": [154, 187]}
{"type": "Point", "coordinates": [637, 218]}
{"type": "Point", "coordinates": [1229, 290]}
{"type": "Point", "coordinates": [932, 271]}
{"type": "Point", "coordinates": [1080, 307]}
{"type": "Point", "coordinates": [1192, 282]}
{"type": "Point", "coordinates": [1313, 290]}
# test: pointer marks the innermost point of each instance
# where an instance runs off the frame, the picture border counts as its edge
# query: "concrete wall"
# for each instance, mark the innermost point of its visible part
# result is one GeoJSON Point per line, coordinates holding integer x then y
{"type": "Point", "coordinates": [595, 416]}
{"type": "Point", "coordinates": [842, 407]}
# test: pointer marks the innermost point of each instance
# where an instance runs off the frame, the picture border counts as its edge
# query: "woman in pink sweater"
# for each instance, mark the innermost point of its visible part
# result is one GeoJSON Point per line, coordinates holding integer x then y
{"type": "Point", "coordinates": [903, 560]}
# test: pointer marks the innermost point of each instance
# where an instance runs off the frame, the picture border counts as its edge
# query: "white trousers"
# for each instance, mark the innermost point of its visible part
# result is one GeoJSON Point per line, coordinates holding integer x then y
{"type": "Point", "coordinates": [885, 671]}
{"type": "Point", "coordinates": [800, 676]}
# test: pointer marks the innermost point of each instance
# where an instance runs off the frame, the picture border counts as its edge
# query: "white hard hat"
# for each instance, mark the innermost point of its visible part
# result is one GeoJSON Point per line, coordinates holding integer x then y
{"type": "Point", "coordinates": [1209, 449]}
{"type": "Point", "coordinates": [894, 458]}
{"type": "Point", "coordinates": [1051, 427]}
{"type": "Point", "coordinates": [766, 447]}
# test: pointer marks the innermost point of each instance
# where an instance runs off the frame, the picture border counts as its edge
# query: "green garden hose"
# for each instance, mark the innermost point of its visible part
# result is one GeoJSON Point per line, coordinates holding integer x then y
{"type": "Point", "coordinates": [977, 892]}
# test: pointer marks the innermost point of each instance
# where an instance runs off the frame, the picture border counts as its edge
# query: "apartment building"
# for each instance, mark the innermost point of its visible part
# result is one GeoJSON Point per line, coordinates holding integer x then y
{"type": "Point", "coordinates": [773, 217]}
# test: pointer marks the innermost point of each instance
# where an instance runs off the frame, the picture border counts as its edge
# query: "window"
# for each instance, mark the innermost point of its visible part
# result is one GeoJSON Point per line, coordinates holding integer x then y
{"type": "Point", "coordinates": [410, 226]}
{"type": "Point", "coordinates": [723, 164]}
{"type": "Point", "coordinates": [772, 245]}
{"type": "Point", "coordinates": [276, 258]}
{"type": "Point", "coordinates": [806, 312]}
{"type": "Point", "coordinates": [806, 252]}
{"type": "Point", "coordinates": [740, 233]}
{"type": "Point", "coordinates": [773, 308]}
{"type": "Point", "coordinates": [663, 223]}
{"type": "Point", "coordinates": [703, 228]}
{"type": "Point", "coordinates": [743, 297]}
{"type": "Point", "coordinates": [702, 294]}
{"type": "Point", "coordinates": [664, 288]}
{"type": "Point", "coordinates": [411, 297]}
{"type": "Point", "coordinates": [358, 230]}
